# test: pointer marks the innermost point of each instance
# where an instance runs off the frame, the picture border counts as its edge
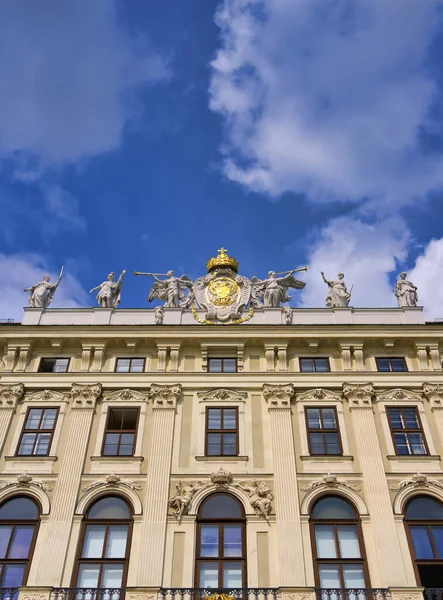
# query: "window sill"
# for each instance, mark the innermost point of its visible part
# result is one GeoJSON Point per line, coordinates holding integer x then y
{"type": "Point", "coordinates": [222, 458]}
{"type": "Point", "coordinates": [324, 463]}
{"type": "Point", "coordinates": [130, 465]}
{"type": "Point", "coordinates": [30, 464]}
{"type": "Point", "coordinates": [404, 463]}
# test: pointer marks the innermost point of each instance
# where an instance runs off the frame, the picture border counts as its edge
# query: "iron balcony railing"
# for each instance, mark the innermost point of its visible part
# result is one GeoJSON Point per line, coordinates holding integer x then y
{"type": "Point", "coordinates": [8, 593]}
{"type": "Point", "coordinates": [434, 593]}
{"type": "Point", "coordinates": [87, 594]}
{"type": "Point", "coordinates": [218, 593]}
{"type": "Point", "coordinates": [352, 594]}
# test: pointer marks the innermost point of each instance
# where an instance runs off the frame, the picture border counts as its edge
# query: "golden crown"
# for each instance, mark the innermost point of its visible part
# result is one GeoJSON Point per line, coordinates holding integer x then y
{"type": "Point", "coordinates": [222, 260]}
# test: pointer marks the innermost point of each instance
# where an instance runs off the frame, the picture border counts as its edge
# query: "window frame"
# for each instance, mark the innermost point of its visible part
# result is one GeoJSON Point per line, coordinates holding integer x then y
{"type": "Point", "coordinates": [37, 431]}
{"type": "Point", "coordinates": [390, 358]}
{"type": "Point", "coordinates": [314, 358]}
{"type": "Point", "coordinates": [222, 358]}
{"type": "Point", "coordinates": [79, 560]}
{"type": "Point", "coordinates": [323, 430]}
{"type": "Point", "coordinates": [55, 358]}
{"type": "Point", "coordinates": [130, 358]}
{"type": "Point", "coordinates": [120, 431]}
{"type": "Point", "coordinates": [339, 561]}
{"type": "Point", "coordinates": [219, 559]}
{"type": "Point", "coordinates": [14, 523]}
{"type": "Point", "coordinates": [406, 431]}
{"type": "Point", "coordinates": [221, 431]}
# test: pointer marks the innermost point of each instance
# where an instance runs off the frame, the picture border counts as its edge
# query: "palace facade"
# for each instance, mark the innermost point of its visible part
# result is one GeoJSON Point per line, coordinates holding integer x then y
{"type": "Point", "coordinates": [298, 457]}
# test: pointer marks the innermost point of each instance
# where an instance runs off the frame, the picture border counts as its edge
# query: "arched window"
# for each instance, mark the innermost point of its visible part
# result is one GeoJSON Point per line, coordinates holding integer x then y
{"type": "Point", "coordinates": [221, 543]}
{"type": "Point", "coordinates": [19, 520]}
{"type": "Point", "coordinates": [104, 545]}
{"type": "Point", "coordinates": [338, 545]}
{"type": "Point", "coordinates": [424, 524]}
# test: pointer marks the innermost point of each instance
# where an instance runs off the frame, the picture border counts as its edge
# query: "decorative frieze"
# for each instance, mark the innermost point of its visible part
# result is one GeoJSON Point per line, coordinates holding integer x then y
{"type": "Point", "coordinates": [85, 396]}
{"type": "Point", "coordinates": [278, 396]}
{"type": "Point", "coordinates": [359, 395]}
{"type": "Point", "coordinates": [165, 396]}
{"type": "Point", "coordinates": [10, 395]}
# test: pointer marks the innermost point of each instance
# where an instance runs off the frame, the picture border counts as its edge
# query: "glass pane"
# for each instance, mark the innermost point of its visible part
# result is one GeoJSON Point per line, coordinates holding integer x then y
{"type": "Point", "coordinates": [112, 576]}
{"type": "Point", "coordinates": [5, 532]}
{"type": "Point", "coordinates": [353, 576]}
{"type": "Point", "coordinates": [209, 540]}
{"type": "Point", "coordinates": [317, 443]}
{"type": "Point", "coordinates": [130, 419]}
{"type": "Point", "coordinates": [13, 575]}
{"type": "Point", "coordinates": [33, 420]}
{"type": "Point", "coordinates": [398, 364]}
{"type": "Point", "coordinates": [126, 449]}
{"type": "Point", "coordinates": [396, 418]}
{"type": "Point", "coordinates": [48, 418]}
{"type": "Point", "coordinates": [322, 365]}
{"type": "Point", "coordinates": [116, 542]}
{"type": "Point", "coordinates": [93, 544]}
{"type": "Point", "coordinates": [230, 365]}
{"type": "Point", "coordinates": [88, 576]}
{"type": "Point", "coordinates": [123, 365]}
{"type": "Point", "coordinates": [232, 575]}
{"type": "Point", "coordinates": [314, 421]}
{"type": "Point", "coordinates": [232, 540]}
{"type": "Point", "coordinates": [42, 445]}
{"type": "Point", "coordinates": [110, 508]}
{"type": "Point", "coordinates": [411, 418]}
{"type": "Point", "coordinates": [229, 418]}
{"type": "Point", "coordinates": [21, 541]}
{"type": "Point", "coordinates": [329, 576]}
{"type": "Point", "coordinates": [111, 444]}
{"type": "Point", "coordinates": [229, 444]}
{"type": "Point", "coordinates": [215, 365]}
{"type": "Point", "coordinates": [209, 575]}
{"type": "Point", "coordinates": [329, 418]}
{"type": "Point", "coordinates": [214, 418]}
{"type": "Point", "coordinates": [307, 365]}
{"type": "Point", "coordinates": [383, 364]}
{"type": "Point", "coordinates": [332, 443]}
{"type": "Point", "coordinates": [137, 365]}
{"type": "Point", "coordinates": [325, 541]}
{"type": "Point", "coordinates": [348, 541]}
{"type": "Point", "coordinates": [333, 508]}
{"type": "Point", "coordinates": [401, 443]}
{"type": "Point", "coordinates": [23, 509]}
{"type": "Point", "coordinates": [214, 444]}
{"type": "Point", "coordinates": [61, 365]}
{"type": "Point", "coordinates": [115, 419]}
{"type": "Point", "coordinates": [27, 444]}
{"type": "Point", "coordinates": [424, 508]}
{"type": "Point", "coordinates": [438, 538]}
{"type": "Point", "coordinates": [417, 443]}
{"type": "Point", "coordinates": [46, 365]}
{"type": "Point", "coordinates": [222, 506]}
{"type": "Point", "coordinates": [422, 542]}
{"type": "Point", "coordinates": [127, 439]}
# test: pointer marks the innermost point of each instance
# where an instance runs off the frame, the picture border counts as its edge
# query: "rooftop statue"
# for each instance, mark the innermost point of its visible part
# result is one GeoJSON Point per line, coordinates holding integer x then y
{"type": "Point", "coordinates": [406, 292]}
{"type": "Point", "coordinates": [172, 289]}
{"type": "Point", "coordinates": [42, 293]}
{"type": "Point", "coordinates": [274, 290]}
{"type": "Point", "coordinates": [339, 296]}
{"type": "Point", "coordinates": [109, 294]}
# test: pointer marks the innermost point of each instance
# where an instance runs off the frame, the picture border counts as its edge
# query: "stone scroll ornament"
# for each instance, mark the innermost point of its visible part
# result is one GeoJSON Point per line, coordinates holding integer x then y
{"type": "Point", "coordinates": [42, 293]}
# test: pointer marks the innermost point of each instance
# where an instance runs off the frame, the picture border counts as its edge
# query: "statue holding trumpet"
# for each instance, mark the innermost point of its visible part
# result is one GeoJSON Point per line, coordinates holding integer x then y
{"type": "Point", "coordinates": [273, 291]}
{"type": "Point", "coordinates": [172, 289]}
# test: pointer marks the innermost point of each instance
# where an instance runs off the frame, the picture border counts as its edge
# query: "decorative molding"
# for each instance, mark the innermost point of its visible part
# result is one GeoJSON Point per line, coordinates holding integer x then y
{"type": "Point", "coordinates": [85, 396]}
{"type": "Point", "coordinates": [359, 395]}
{"type": "Point", "coordinates": [184, 493]}
{"type": "Point", "coordinates": [126, 395]}
{"type": "Point", "coordinates": [317, 394]}
{"type": "Point", "coordinates": [260, 496]}
{"type": "Point", "coordinates": [418, 480]}
{"type": "Point", "coordinates": [112, 480]}
{"type": "Point", "coordinates": [47, 396]}
{"type": "Point", "coordinates": [398, 394]}
{"type": "Point", "coordinates": [165, 396]}
{"type": "Point", "coordinates": [434, 394]}
{"type": "Point", "coordinates": [221, 478]}
{"type": "Point", "coordinates": [223, 395]}
{"type": "Point", "coordinates": [10, 395]}
{"type": "Point", "coordinates": [25, 480]}
{"type": "Point", "coordinates": [331, 481]}
{"type": "Point", "coordinates": [136, 596]}
{"type": "Point", "coordinates": [34, 596]}
{"type": "Point", "coordinates": [278, 396]}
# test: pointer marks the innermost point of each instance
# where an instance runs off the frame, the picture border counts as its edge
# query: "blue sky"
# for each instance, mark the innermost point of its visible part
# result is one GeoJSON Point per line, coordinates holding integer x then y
{"type": "Point", "coordinates": [145, 135]}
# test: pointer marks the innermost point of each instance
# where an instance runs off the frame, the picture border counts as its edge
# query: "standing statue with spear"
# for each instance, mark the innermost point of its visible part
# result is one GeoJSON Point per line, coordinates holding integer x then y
{"type": "Point", "coordinates": [339, 296]}
{"type": "Point", "coordinates": [42, 293]}
{"type": "Point", "coordinates": [271, 292]}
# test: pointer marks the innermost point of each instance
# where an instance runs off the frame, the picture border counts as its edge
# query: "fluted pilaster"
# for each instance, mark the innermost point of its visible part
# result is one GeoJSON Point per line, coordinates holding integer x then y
{"type": "Point", "coordinates": [9, 397]}
{"type": "Point", "coordinates": [433, 392]}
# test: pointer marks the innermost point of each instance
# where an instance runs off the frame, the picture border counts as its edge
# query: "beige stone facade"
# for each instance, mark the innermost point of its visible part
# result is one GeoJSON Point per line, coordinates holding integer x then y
{"type": "Point", "coordinates": [271, 393]}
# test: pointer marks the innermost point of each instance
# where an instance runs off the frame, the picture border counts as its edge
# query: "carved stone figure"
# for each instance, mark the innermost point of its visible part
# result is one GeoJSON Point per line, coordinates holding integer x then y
{"type": "Point", "coordinates": [274, 290]}
{"type": "Point", "coordinates": [182, 499]}
{"type": "Point", "coordinates": [288, 315]}
{"type": "Point", "coordinates": [172, 289]}
{"type": "Point", "coordinates": [109, 294]}
{"type": "Point", "coordinates": [42, 293]}
{"type": "Point", "coordinates": [406, 292]}
{"type": "Point", "coordinates": [159, 314]}
{"type": "Point", "coordinates": [260, 496]}
{"type": "Point", "coordinates": [338, 296]}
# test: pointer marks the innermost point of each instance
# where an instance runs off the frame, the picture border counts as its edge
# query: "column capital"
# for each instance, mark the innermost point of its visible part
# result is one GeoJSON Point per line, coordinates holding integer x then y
{"type": "Point", "coordinates": [165, 396]}
{"type": "Point", "coordinates": [85, 396]}
{"type": "Point", "coordinates": [10, 395]}
{"type": "Point", "coordinates": [278, 396]}
{"type": "Point", "coordinates": [434, 394]}
{"type": "Point", "coordinates": [359, 395]}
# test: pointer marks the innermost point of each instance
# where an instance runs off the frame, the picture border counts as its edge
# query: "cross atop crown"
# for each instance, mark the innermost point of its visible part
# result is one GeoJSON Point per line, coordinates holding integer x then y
{"type": "Point", "coordinates": [222, 250]}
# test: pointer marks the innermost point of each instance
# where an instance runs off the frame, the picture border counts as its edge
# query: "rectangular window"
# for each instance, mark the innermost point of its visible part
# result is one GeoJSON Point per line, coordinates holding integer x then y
{"type": "Point", "coordinates": [406, 431]}
{"type": "Point", "coordinates": [130, 365]}
{"type": "Point", "coordinates": [323, 433]}
{"type": "Point", "coordinates": [121, 429]}
{"type": "Point", "coordinates": [222, 365]}
{"type": "Point", "coordinates": [37, 432]}
{"type": "Point", "coordinates": [53, 365]}
{"type": "Point", "coordinates": [387, 365]}
{"type": "Point", "coordinates": [221, 432]}
{"type": "Point", "coordinates": [314, 365]}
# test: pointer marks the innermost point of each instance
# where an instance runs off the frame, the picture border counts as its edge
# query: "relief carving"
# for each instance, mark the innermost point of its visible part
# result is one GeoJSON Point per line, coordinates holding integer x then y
{"type": "Point", "coordinates": [359, 395]}
{"type": "Point", "coordinates": [184, 492]}
{"type": "Point", "coordinates": [418, 480]}
{"type": "Point", "coordinates": [25, 480]}
{"type": "Point", "coordinates": [399, 394]}
{"type": "Point", "coordinates": [331, 481]}
{"type": "Point", "coordinates": [112, 480]}
{"type": "Point", "coordinates": [223, 395]}
{"type": "Point", "coordinates": [260, 496]}
{"type": "Point", "coordinates": [434, 393]}
{"type": "Point", "coordinates": [278, 396]}
{"type": "Point", "coordinates": [47, 396]}
{"type": "Point", "coordinates": [221, 478]}
{"type": "Point", "coordinates": [319, 394]}
{"type": "Point", "coordinates": [126, 395]}
{"type": "Point", "coordinates": [85, 396]}
{"type": "Point", "coordinates": [165, 396]}
{"type": "Point", "coordinates": [10, 395]}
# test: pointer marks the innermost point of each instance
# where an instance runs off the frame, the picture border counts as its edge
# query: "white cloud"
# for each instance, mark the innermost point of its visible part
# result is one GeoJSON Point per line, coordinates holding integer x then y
{"type": "Point", "coordinates": [63, 208]}
{"type": "Point", "coordinates": [18, 272]}
{"type": "Point", "coordinates": [327, 98]}
{"type": "Point", "coordinates": [67, 72]}
{"type": "Point", "coordinates": [427, 275]}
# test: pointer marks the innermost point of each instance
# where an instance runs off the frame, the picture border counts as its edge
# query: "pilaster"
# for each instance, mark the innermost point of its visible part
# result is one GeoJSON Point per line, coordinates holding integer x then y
{"type": "Point", "coordinates": [434, 353]}
{"type": "Point", "coordinates": [161, 360]}
{"type": "Point", "coordinates": [99, 352]}
{"type": "Point", "coordinates": [360, 398]}
{"type": "Point", "coordinates": [433, 392]}
{"type": "Point", "coordinates": [86, 357]}
{"type": "Point", "coordinates": [83, 400]}
{"type": "Point", "coordinates": [287, 505]}
{"type": "Point", "coordinates": [9, 397]}
{"type": "Point", "coordinates": [174, 350]}
{"type": "Point", "coordinates": [270, 357]}
{"type": "Point", "coordinates": [153, 526]}
{"type": "Point", "coordinates": [23, 357]}
{"type": "Point", "coordinates": [11, 352]}
{"type": "Point", "coordinates": [422, 352]}
{"type": "Point", "coordinates": [346, 357]}
{"type": "Point", "coordinates": [283, 357]}
{"type": "Point", "coordinates": [358, 355]}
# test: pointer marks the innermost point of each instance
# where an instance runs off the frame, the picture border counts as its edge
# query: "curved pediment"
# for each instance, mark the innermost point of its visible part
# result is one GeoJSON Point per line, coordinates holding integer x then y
{"type": "Point", "coordinates": [222, 395]}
